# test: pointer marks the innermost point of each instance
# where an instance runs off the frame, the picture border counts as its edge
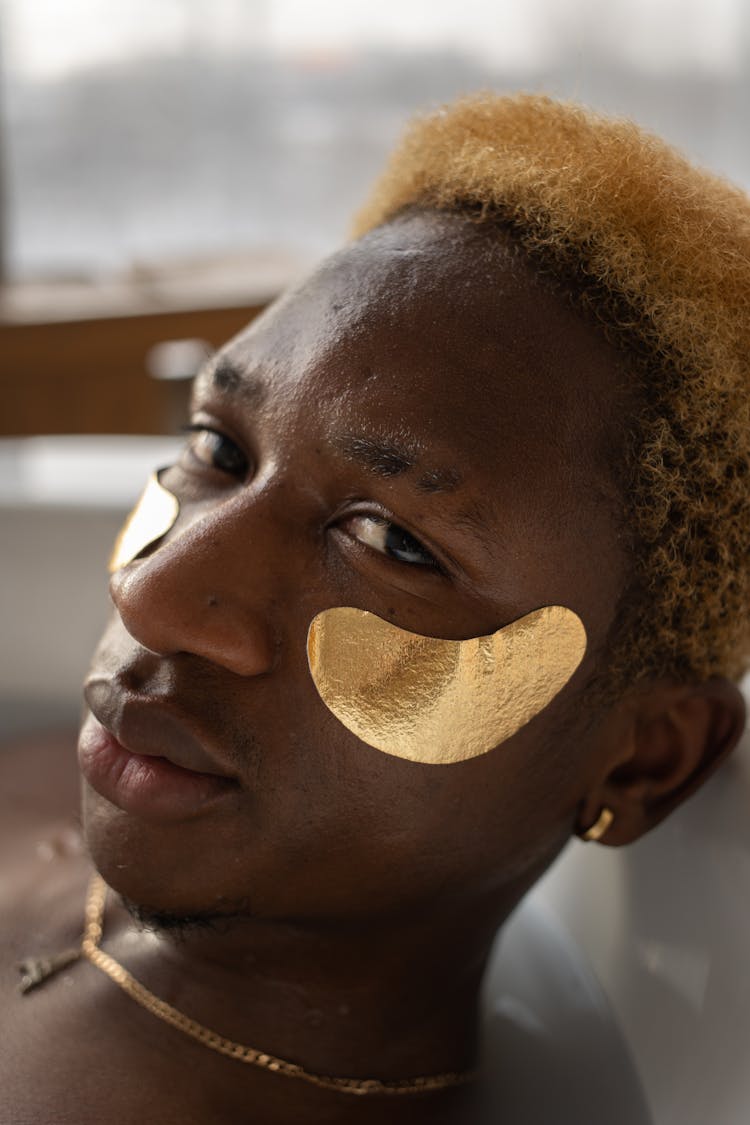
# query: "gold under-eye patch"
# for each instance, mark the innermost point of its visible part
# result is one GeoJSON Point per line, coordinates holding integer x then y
{"type": "Point", "coordinates": [438, 701]}
{"type": "Point", "coordinates": [152, 517]}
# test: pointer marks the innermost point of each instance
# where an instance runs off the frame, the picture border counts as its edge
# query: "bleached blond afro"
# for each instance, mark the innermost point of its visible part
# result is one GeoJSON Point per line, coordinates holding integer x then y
{"type": "Point", "coordinates": [659, 253]}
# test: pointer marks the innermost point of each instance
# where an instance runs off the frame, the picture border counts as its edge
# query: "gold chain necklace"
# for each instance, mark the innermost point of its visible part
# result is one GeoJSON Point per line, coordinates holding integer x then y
{"type": "Point", "coordinates": [38, 971]}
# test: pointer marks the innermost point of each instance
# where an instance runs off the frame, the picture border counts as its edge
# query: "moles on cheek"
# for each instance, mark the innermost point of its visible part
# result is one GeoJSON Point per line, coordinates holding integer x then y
{"type": "Point", "coordinates": [437, 701]}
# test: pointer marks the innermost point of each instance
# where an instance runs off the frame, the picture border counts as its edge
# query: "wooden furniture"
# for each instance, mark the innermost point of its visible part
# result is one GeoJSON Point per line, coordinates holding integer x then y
{"type": "Point", "coordinates": [90, 375]}
{"type": "Point", "coordinates": [75, 355]}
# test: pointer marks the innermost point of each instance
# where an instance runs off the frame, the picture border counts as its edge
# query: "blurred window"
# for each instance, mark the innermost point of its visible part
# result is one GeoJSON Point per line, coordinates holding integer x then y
{"type": "Point", "coordinates": [166, 166]}
{"type": "Point", "coordinates": [144, 133]}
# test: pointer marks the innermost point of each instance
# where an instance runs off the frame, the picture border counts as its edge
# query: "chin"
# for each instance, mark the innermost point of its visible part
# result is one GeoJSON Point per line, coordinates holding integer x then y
{"type": "Point", "coordinates": [158, 869]}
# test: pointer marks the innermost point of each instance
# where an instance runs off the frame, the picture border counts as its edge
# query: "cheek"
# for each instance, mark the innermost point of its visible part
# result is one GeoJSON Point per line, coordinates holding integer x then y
{"type": "Point", "coordinates": [485, 827]}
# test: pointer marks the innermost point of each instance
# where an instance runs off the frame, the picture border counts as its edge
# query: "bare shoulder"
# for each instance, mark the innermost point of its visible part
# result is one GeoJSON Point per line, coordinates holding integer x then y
{"type": "Point", "coordinates": [43, 877]}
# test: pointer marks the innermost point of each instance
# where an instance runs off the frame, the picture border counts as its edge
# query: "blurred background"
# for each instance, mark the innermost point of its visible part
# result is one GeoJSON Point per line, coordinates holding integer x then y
{"type": "Point", "coordinates": [167, 166]}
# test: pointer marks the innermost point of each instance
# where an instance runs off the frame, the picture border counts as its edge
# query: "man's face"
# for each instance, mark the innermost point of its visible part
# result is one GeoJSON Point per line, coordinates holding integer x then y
{"type": "Point", "coordinates": [422, 431]}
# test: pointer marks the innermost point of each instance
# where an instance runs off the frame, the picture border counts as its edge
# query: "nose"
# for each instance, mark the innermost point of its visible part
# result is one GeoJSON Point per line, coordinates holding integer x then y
{"type": "Point", "coordinates": [204, 591]}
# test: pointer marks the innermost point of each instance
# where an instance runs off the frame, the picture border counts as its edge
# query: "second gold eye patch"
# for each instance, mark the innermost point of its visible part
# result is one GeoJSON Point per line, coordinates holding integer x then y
{"type": "Point", "coordinates": [151, 518]}
{"type": "Point", "coordinates": [439, 701]}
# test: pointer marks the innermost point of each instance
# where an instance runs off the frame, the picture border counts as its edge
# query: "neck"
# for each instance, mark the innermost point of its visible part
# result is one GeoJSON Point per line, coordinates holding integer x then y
{"type": "Point", "coordinates": [390, 999]}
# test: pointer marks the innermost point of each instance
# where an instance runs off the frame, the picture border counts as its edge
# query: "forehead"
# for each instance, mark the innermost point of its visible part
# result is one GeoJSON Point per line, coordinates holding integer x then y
{"type": "Point", "coordinates": [441, 335]}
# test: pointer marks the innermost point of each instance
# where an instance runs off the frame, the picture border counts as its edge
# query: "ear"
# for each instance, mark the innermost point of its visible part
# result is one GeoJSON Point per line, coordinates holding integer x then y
{"type": "Point", "coordinates": [663, 741]}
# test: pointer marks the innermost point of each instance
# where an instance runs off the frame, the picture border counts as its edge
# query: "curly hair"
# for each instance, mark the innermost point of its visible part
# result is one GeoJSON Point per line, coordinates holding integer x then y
{"type": "Point", "coordinates": [658, 252]}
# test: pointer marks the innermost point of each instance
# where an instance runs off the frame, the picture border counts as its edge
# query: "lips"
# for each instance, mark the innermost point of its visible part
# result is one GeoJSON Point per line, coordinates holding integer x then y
{"type": "Point", "coordinates": [140, 755]}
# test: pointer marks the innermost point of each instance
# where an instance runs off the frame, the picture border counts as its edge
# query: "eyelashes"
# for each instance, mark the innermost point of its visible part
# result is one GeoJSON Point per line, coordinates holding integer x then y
{"type": "Point", "coordinates": [215, 450]}
{"type": "Point", "coordinates": [388, 538]}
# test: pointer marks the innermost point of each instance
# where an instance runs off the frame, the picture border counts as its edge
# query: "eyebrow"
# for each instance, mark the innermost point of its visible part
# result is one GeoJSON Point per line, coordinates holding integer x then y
{"type": "Point", "coordinates": [228, 377]}
{"type": "Point", "coordinates": [387, 458]}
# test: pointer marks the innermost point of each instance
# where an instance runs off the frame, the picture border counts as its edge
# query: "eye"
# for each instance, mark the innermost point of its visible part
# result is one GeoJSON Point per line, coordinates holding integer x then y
{"type": "Point", "coordinates": [216, 450]}
{"type": "Point", "coordinates": [389, 539]}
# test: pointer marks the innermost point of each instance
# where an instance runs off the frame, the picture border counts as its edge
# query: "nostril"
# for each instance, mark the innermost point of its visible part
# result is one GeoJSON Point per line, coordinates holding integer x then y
{"type": "Point", "coordinates": [213, 601]}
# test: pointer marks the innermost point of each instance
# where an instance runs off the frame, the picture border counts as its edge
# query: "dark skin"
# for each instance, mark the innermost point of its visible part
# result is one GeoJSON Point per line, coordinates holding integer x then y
{"type": "Point", "coordinates": [353, 895]}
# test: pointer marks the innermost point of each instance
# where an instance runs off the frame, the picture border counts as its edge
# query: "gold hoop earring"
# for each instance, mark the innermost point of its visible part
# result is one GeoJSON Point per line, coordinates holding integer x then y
{"type": "Point", "coordinates": [599, 827]}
